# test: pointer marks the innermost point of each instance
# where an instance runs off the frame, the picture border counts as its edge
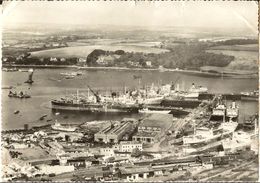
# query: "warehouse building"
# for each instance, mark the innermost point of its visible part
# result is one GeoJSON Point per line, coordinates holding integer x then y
{"type": "Point", "coordinates": [114, 133]}
{"type": "Point", "coordinates": [153, 128]}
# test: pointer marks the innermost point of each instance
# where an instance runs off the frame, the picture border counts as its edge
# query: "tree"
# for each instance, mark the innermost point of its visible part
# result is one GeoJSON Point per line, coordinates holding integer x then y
{"type": "Point", "coordinates": [136, 152]}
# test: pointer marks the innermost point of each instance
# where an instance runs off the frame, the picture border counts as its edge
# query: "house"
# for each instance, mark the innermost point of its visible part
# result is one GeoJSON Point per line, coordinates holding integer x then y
{"type": "Point", "coordinates": [136, 173]}
{"type": "Point", "coordinates": [148, 63]}
{"type": "Point", "coordinates": [53, 59]}
{"type": "Point", "coordinates": [82, 60]}
{"type": "Point", "coordinates": [62, 59]}
{"type": "Point", "coordinates": [129, 146]}
{"type": "Point", "coordinates": [57, 169]}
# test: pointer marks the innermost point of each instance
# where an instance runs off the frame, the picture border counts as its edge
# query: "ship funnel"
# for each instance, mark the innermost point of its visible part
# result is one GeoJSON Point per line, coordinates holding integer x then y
{"type": "Point", "coordinates": [233, 105]}
{"type": "Point", "coordinates": [177, 87]}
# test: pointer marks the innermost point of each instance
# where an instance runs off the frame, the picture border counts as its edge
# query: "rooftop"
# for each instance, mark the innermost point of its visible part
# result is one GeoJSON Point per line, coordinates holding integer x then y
{"type": "Point", "coordinates": [114, 129]}
{"type": "Point", "coordinates": [135, 170]}
{"type": "Point", "coordinates": [163, 121]}
{"type": "Point", "coordinates": [146, 134]}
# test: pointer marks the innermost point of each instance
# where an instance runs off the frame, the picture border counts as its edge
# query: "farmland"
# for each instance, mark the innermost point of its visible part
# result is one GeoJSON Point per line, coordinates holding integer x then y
{"type": "Point", "coordinates": [84, 51]}
{"type": "Point", "coordinates": [246, 58]}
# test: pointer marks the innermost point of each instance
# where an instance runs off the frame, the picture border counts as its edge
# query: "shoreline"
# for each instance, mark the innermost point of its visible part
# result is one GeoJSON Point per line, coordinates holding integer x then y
{"type": "Point", "coordinates": [192, 72]}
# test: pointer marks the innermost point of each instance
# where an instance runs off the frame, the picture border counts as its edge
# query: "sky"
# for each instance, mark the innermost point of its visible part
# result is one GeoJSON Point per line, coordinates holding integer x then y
{"type": "Point", "coordinates": [223, 14]}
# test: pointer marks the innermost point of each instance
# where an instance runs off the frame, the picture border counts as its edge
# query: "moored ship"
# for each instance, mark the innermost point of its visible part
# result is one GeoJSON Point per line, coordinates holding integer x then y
{"type": "Point", "coordinates": [94, 103]}
{"type": "Point", "coordinates": [253, 96]}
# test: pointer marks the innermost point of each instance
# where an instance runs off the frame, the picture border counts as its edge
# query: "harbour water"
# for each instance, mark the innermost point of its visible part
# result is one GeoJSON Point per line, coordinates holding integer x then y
{"type": "Point", "coordinates": [49, 84]}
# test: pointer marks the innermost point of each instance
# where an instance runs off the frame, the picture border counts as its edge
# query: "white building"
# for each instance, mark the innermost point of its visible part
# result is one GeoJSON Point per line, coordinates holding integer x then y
{"type": "Point", "coordinates": [57, 169]}
{"type": "Point", "coordinates": [129, 146]}
{"type": "Point", "coordinates": [148, 63]}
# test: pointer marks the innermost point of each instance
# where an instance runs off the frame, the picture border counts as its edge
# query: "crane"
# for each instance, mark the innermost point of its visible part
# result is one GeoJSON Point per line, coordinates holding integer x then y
{"type": "Point", "coordinates": [96, 95]}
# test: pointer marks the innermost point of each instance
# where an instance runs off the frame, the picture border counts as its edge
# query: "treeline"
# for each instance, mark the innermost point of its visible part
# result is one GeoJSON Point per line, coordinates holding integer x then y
{"type": "Point", "coordinates": [43, 61]}
{"type": "Point", "coordinates": [238, 42]}
{"type": "Point", "coordinates": [182, 56]}
{"type": "Point", "coordinates": [94, 55]}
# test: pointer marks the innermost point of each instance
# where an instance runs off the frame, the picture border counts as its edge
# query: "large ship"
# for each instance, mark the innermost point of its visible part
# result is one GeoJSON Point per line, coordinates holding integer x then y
{"type": "Point", "coordinates": [95, 103]}
{"type": "Point", "coordinates": [250, 95]}
{"type": "Point", "coordinates": [203, 135]}
{"type": "Point", "coordinates": [187, 99]}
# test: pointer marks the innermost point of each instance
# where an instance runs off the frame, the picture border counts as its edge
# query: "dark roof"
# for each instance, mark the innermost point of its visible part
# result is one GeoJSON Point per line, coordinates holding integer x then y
{"type": "Point", "coordinates": [135, 170]}
{"type": "Point", "coordinates": [163, 121]}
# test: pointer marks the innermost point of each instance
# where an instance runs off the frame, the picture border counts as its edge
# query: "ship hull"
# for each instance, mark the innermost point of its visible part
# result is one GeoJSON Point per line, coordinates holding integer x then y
{"type": "Point", "coordinates": [94, 107]}
{"type": "Point", "coordinates": [249, 98]}
{"type": "Point", "coordinates": [181, 103]}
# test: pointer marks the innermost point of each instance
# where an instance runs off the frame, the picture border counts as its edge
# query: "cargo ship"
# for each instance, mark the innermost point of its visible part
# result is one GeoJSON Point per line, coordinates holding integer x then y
{"type": "Point", "coordinates": [94, 103]}
{"type": "Point", "coordinates": [253, 96]}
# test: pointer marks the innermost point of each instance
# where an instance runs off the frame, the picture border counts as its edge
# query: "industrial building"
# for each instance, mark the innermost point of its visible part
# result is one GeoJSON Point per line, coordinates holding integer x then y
{"type": "Point", "coordinates": [153, 127]}
{"type": "Point", "coordinates": [114, 133]}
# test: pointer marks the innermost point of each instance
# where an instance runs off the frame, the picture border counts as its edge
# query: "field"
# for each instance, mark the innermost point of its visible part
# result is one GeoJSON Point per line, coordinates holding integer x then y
{"type": "Point", "coordinates": [244, 59]}
{"type": "Point", "coordinates": [84, 51]}
{"type": "Point", "coordinates": [247, 47]}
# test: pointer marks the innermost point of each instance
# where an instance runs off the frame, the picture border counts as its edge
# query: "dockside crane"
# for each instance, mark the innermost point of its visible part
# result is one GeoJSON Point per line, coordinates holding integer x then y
{"type": "Point", "coordinates": [95, 94]}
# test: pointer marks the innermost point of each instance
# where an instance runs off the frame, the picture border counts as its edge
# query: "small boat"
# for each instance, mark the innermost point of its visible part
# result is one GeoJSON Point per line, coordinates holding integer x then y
{"type": "Point", "coordinates": [48, 120]}
{"type": "Point", "coordinates": [20, 95]}
{"type": "Point", "coordinates": [30, 81]}
{"type": "Point", "coordinates": [78, 73]}
{"type": "Point", "coordinates": [23, 70]}
{"type": "Point", "coordinates": [10, 69]}
{"type": "Point", "coordinates": [57, 113]}
{"type": "Point", "coordinates": [8, 87]}
{"type": "Point", "coordinates": [16, 112]}
{"type": "Point", "coordinates": [69, 77]}
{"type": "Point", "coordinates": [137, 76]}
{"type": "Point", "coordinates": [42, 118]}
{"type": "Point", "coordinates": [146, 110]}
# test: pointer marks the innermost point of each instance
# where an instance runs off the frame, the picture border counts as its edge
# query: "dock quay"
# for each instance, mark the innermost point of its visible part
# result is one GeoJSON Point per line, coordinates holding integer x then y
{"type": "Point", "coordinates": [146, 147]}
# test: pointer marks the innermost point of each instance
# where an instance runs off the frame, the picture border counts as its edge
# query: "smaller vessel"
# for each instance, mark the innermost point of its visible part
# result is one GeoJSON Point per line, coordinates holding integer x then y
{"type": "Point", "coordinates": [20, 95]}
{"type": "Point", "coordinates": [23, 70]}
{"type": "Point", "coordinates": [232, 111]}
{"type": "Point", "coordinates": [69, 77]}
{"type": "Point", "coordinates": [30, 81]}
{"type": "Point", "coordinates": [146, 110]}
{"type": "Point", "coordinates": [16, 112]}
{"type": "Point", "coordinates": [194, 91]}
{"type": "Point", "coordinates": [42, 118]}
{"type": "Point", "coordinates": [8, 87]}
{"type": "Point", "coordinates": [218, 113]}
{"type": "Point", "coordinates": [59, 127]}
{"type": "Point", "coordinates": [201, 135]}
{"type": "Point", "coordinates": [239, 140]}
{"type": "Point", "coordinates": [229, 126]}
{"type": "Point", "coordinates": [57, 113]}
{"type": "Point", "coordinates": [10, 69]}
